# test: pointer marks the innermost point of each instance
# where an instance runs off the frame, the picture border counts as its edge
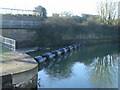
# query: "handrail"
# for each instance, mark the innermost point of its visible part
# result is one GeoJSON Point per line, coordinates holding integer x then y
{"type": "Point", "coordinates": [18, 11]}
{"type": "Point", "coordinates": [8, 42]}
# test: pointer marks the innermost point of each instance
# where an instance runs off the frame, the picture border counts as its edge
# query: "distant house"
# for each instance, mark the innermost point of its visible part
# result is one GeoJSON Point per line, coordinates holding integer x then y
{"type": "Point", "coordinates": [85, 16]}
{"type": "Point", "coordinates": [55, 15]}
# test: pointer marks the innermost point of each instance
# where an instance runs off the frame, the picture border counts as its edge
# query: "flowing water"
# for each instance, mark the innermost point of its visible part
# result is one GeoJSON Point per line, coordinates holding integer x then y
{"type": "Point", "coordinates": [88, 67]}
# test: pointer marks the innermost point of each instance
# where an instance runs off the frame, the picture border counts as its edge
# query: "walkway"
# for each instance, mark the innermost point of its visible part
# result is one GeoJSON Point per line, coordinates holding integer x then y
{"type": "Point", "coordinates": [3, 49]}
{"type": "Point", "coordinates": [13, 63]}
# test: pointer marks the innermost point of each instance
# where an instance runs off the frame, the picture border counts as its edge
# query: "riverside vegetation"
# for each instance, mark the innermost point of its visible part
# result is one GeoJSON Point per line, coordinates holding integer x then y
{"type": "Point", "coordinates": [59, 30]}
{"type": "Point", "coordinates": [66, 28]}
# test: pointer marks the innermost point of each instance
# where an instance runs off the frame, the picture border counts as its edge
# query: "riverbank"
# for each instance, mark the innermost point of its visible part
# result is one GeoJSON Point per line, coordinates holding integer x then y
{"type": "Point", "coordinates": [54, 37]}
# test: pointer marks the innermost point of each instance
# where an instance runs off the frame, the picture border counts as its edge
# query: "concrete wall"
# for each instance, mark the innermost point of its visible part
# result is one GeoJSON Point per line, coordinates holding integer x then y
{"type": "Point", "coordinates": [23, 37]}
{"type": "Point", "coordinates": [20, 21]}
{"type": "Point", "coordinates": [18, 74]}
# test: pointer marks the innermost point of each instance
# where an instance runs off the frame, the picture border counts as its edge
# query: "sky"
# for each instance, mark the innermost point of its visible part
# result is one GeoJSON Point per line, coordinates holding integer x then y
{"type": "Point", "coordinates": [77, 7]}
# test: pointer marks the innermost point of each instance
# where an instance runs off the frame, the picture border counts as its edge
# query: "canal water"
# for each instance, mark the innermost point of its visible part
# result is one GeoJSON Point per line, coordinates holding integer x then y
{"type": "Point", "coordinates": [88, 67]}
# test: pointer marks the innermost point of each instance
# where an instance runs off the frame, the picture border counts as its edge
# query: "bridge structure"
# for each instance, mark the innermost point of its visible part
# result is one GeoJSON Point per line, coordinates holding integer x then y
{"type": "Point", "coordinates": [14, 19]}
{"type": "Point", "coordinates": [19, 18]}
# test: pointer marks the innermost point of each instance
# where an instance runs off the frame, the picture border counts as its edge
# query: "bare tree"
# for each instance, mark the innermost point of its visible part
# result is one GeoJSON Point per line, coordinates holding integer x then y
{"type": "Point", "coordinates": [107, 11]}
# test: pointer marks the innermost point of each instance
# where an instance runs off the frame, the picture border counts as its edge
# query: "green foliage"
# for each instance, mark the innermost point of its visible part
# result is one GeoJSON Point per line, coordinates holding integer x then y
{"type": "Point", "coordinates": [41, 11]}
{"type": "Point", "coordinates": [65, 30]}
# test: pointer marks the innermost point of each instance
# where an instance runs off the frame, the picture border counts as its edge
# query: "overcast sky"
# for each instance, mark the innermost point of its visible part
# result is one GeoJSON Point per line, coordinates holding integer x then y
{"type": "Point", "coordinates": [54, 6]}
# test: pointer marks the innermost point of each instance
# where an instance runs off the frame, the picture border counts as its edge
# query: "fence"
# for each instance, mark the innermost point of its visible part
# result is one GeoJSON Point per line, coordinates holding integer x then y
{"type": "Point", "coordinates": [12, 11]}
{"type": "Point", "coordinates": [8, 43]}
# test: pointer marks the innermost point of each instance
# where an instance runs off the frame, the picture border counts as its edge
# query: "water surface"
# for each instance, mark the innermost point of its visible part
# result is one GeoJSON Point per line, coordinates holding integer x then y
{"type": "Point", "coordinates": [89, 67]}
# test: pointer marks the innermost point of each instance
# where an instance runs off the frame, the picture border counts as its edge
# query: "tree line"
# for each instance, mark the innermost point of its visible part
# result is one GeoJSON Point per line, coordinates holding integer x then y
{"type": "Point", "coordinates": [66, 28]}
{"type": "Point", "coordinates": [107, 16]}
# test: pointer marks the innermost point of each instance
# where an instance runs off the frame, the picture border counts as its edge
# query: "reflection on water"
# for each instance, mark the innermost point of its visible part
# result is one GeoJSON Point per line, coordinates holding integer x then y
{"type": "Point", "coordinates": [103, 72]}
{"type": "Point", "coordinates": [89, 67]}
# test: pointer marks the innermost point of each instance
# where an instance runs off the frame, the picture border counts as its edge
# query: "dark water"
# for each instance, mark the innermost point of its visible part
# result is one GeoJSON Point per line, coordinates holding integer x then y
{"type": "Point", "coordinates": [89, 67]}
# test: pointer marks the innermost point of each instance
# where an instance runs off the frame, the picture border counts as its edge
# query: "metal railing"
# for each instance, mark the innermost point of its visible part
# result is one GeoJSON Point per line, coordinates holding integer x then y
{"type": "Point", "coordinates": [8, 43]}
{"type": "Point", "coordinates": [12, 11]}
